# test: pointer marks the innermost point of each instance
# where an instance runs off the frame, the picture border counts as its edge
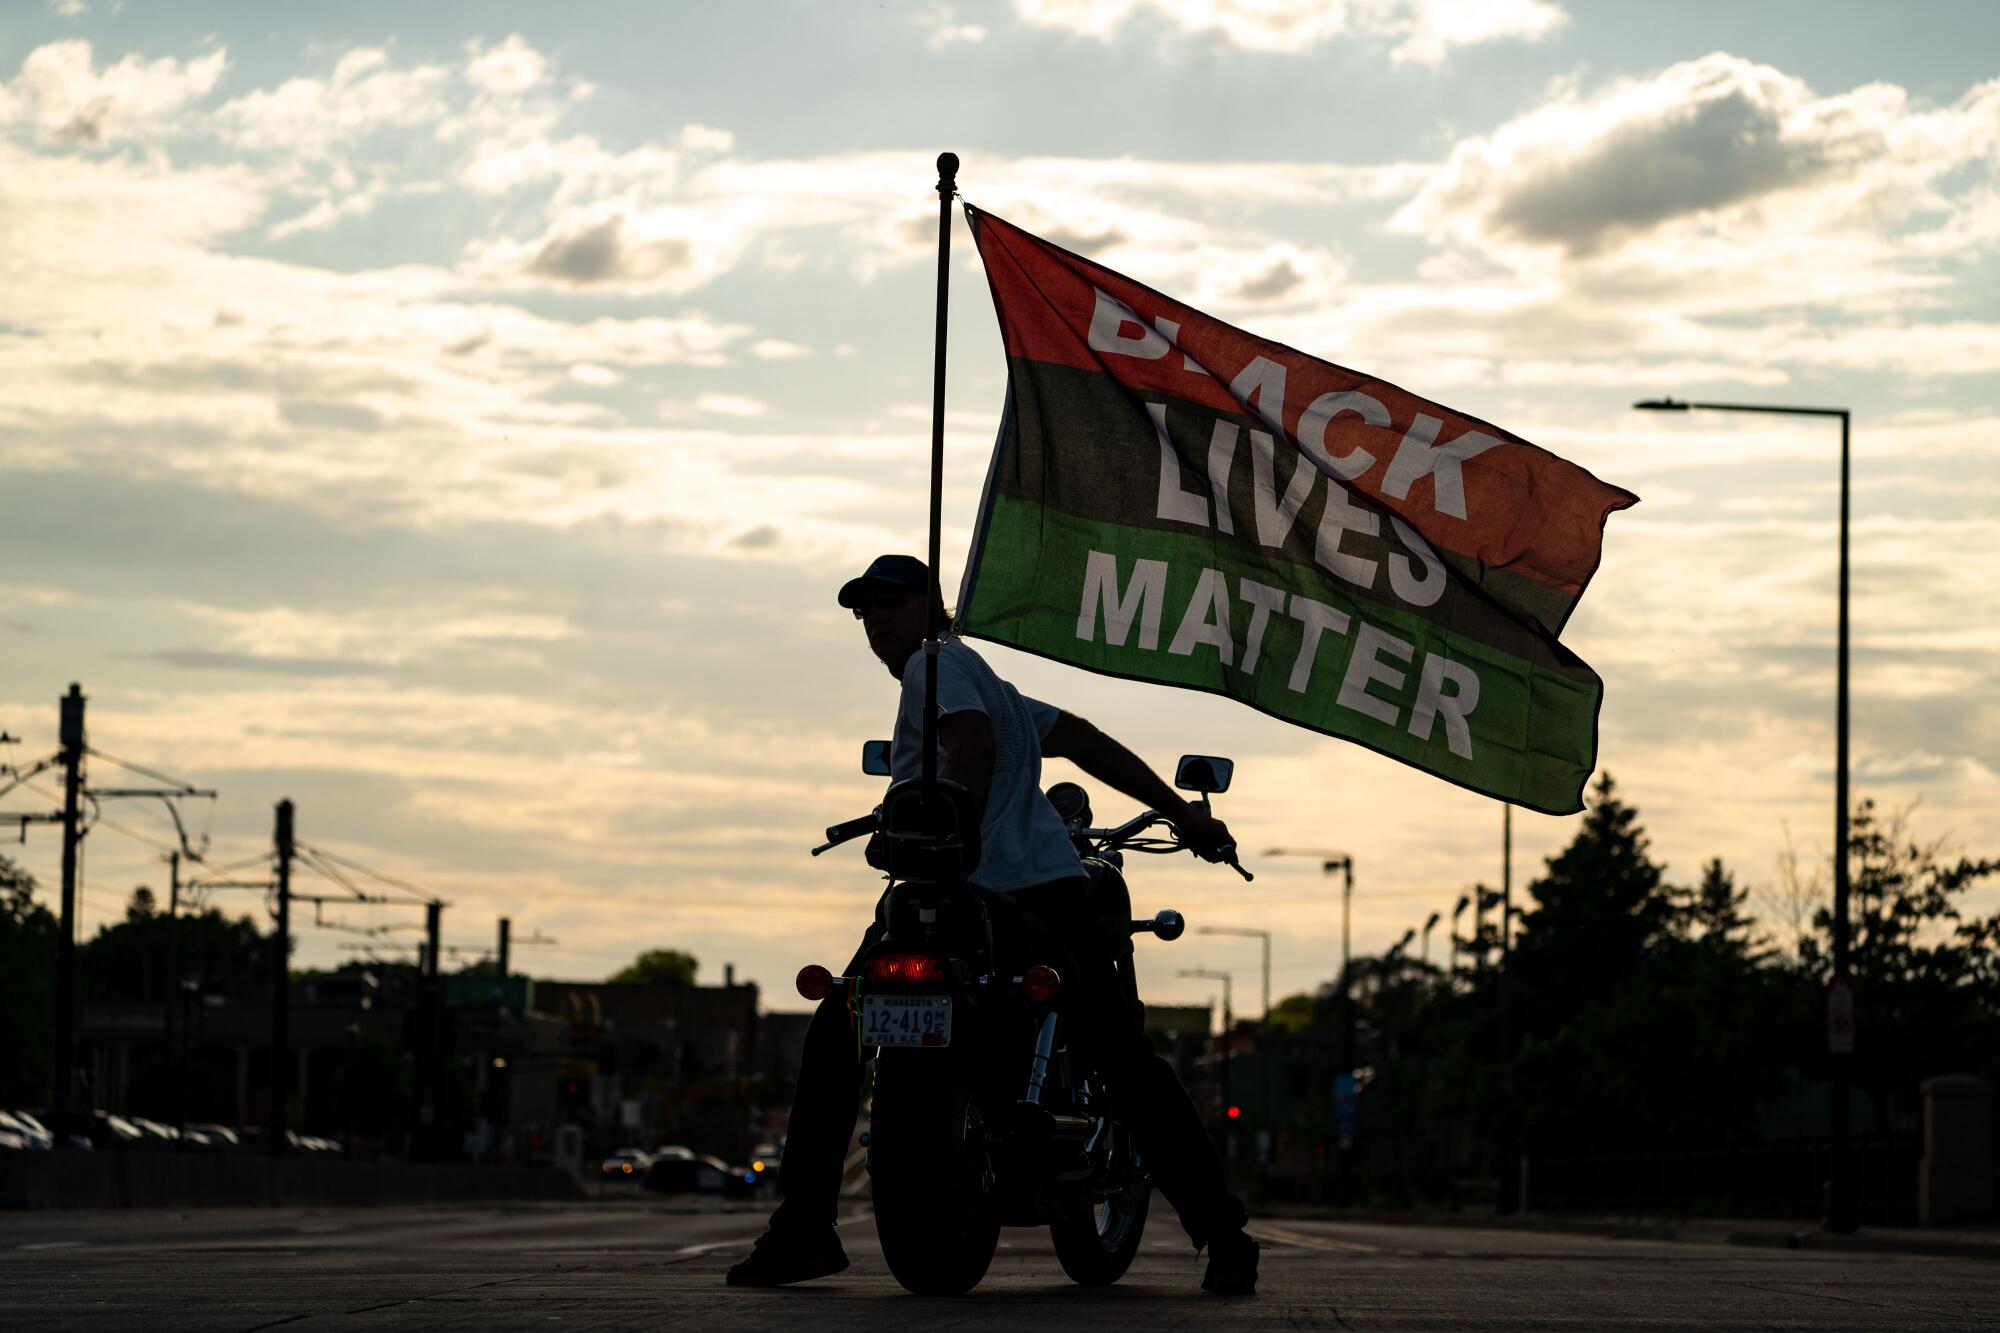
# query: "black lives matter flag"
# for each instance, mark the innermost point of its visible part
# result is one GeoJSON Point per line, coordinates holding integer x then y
{"type": "Point", "coordinates": [1178, 501]}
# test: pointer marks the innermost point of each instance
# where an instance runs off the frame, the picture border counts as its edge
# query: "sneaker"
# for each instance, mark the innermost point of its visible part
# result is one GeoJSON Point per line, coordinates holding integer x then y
{"type": "Point", "coordinates": [781, 1257]}
{"type": "Point", "coordinates": [1232, 1265]}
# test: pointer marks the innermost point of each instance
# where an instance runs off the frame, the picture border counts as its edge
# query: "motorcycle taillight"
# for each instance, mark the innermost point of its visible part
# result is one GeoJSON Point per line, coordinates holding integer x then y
{"type": "Point", "coordinates": [904, 968]}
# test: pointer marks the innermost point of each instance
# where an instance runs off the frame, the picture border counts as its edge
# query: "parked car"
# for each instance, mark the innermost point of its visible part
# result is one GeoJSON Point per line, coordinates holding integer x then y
{"type": "Point", "coordinates": [158, 1136]}
{"type": "Point", "coordinates": [28, 1129]}
{"type": "Point", "coordinates": [105, 1130]}
{"type": "Point", "coordinates": [214, 1138]}
{"type": "Point", "coordinates": [627, 1164]}
{"type": "Point", "coordinates": [688, 1173]}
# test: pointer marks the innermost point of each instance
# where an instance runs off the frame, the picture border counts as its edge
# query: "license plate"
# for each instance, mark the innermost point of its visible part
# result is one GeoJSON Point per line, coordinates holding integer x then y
{"type": "Point", "coordinates": [906, 1020]}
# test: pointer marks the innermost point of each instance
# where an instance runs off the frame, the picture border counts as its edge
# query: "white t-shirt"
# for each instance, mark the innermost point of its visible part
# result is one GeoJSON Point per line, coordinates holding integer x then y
{"type": "Point", "coordinates": [1021, 839]}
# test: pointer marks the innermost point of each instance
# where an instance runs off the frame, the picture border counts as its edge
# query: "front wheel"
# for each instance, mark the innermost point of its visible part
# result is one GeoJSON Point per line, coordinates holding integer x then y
{"type": "Point", "coordinates": [933, 1184]}
{"type": "Point", "coordinates": [1096, 1238]}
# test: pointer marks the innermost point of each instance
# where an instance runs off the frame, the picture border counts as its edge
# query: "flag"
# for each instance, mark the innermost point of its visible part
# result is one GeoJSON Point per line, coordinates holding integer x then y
{"type": "Point", "coordinates": [1175, 500]}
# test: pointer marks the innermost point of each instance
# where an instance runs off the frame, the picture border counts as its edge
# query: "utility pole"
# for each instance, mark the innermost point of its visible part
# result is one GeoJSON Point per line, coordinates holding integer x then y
{"type": "Point", "coordinates": [427, 1054]}
{"type": "Point", "coordinates": [1345, 864]}
{"type": "Point", "coordinates": [500, 960]}
{"type": "Point", "coordinates": [71, 740]}
{"type": "Point", "coordinates": [1508, 1195]}
{"type": "Point", "coordinates": [281, 983]}
{"type": "Point", "coordinates": [1347, 1091]}
{"type": "Point", "coordinates": [1228, 1021]}
{"type": "Point", "coordinates": [171, 992]}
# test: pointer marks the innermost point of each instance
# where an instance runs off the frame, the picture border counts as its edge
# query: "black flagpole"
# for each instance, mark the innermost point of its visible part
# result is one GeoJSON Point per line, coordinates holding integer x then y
{"type": "Point", "coordinates": [947, 186]}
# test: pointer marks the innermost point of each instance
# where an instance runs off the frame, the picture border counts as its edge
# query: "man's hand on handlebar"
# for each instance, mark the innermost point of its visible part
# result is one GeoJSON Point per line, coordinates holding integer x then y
{"type": "Point", "coordinates": [1206, 835]}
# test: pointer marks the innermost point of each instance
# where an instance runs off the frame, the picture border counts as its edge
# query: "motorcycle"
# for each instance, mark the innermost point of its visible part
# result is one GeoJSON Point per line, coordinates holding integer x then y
{"type": "Point", "coordinates": [984, 1115]}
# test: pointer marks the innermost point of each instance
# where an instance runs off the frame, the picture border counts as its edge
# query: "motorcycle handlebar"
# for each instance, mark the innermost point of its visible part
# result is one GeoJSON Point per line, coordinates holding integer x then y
{"type": "Point", "coordinates": [848, 832]}
{"type": "Point", "coordinates": [1145, 819]}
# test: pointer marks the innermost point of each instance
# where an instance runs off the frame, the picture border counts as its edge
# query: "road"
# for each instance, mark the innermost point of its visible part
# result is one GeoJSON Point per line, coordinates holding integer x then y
{"type": "Point", "coordinates": [621, 1264]}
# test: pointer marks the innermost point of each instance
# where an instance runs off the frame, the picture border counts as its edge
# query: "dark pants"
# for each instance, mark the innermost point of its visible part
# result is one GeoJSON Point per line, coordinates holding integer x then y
{"type": "Point", "coordinates": [1046, 923]}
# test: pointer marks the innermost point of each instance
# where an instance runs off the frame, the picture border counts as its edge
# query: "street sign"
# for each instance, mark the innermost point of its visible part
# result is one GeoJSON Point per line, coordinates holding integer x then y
{"type": "Point", "coordinates": [1345, 1106]}
{"type": "Point", "coordinates": [1840, 1016]}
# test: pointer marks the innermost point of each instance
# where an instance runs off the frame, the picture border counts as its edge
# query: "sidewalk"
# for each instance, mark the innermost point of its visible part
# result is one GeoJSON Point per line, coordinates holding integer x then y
{"type": "Point", "coordinates": [1971, 1241]}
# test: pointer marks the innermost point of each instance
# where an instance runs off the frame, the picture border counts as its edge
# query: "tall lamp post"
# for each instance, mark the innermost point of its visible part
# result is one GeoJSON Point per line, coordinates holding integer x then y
{"type": "Point", "coordinates": [1345, 1084]}
{"type": "Point", "coordinates": [1841, 1204]}
{"type": "Point", "coordinates": [1263, 935]}
{"type": "Point", "coordinates": [1227, 1019]}
{"type": "Point", "coordinates": [1329, 863]}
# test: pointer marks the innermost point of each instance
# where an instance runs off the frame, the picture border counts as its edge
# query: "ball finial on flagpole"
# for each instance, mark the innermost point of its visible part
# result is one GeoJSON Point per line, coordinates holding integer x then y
{"type": "Point", "coordinates": [947, 172]}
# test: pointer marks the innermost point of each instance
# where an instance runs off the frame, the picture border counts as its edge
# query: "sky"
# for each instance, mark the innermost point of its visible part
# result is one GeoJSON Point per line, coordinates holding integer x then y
{"type": "Point", "coordinates": [458, 418]}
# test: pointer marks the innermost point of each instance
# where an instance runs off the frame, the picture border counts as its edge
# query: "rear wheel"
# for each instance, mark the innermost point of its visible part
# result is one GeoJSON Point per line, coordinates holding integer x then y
{"type": "Point", "coordinates": [1097, 1241]}
{"type": "Point", "coordinates": [933, 1184]}
{"type": "Point", "coordinates": [1097, 1236]}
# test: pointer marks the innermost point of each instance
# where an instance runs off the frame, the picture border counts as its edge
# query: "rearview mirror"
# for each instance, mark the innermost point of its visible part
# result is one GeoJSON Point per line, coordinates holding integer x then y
{"type": "Point", "coordinates": [875, 758]}
{"type": "Point", "coordinates": [1205, 773]}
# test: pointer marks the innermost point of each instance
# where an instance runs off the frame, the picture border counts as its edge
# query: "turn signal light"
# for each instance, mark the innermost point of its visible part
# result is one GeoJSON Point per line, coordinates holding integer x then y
{"type": "Point", "coordinates": [1040, 983]}
{"type": "Point", "coordinates": [814, 981]}
{"type": "Point", "coordinates": [905, 968]}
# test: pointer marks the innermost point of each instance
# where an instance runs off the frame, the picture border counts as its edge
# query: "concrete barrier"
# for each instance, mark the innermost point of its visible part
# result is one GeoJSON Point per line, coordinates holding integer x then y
{"type": "Point", "coordinates": [196, 1180]}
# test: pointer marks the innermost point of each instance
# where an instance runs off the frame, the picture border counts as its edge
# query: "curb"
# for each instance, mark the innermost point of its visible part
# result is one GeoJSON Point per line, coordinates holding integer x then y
{"type": "Point", "coordinates": [1782, 1236]}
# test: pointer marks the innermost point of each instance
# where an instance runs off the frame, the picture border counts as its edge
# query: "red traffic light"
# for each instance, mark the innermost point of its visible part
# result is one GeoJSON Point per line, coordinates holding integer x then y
{"type": "Point", "coordinates": [1235, 1112]}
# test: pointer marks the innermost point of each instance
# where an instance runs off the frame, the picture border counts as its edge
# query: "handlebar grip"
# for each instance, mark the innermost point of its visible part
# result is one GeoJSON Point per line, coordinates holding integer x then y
{"type": "Point", "coordinates": [853, 828]}
{"type": "Point", "coordinates": [1226, 854]}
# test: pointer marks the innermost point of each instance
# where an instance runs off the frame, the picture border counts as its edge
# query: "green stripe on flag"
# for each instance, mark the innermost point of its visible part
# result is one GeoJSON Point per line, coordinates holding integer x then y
{"type": "Point", "coordinates": [1191, 611]}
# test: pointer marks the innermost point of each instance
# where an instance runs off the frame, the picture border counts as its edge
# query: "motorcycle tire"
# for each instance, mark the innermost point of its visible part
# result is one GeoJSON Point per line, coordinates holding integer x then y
{"type": "Point", "coordinates": [1097, 1239]}
{"type": "Point", "coordinates": [935, 1213]}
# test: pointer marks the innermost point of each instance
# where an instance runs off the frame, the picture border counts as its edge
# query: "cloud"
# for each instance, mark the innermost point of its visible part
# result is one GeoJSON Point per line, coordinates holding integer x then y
{"type": "Point", "coordinates": [704, 139]}
{"type": "Point", "coordinates": [204, 659]}
{"type": "Point", "coordinates": [729, 405]}
{"type": "Point", "coordinates": [310, 117]}
{"type": "Point", "coordinates": [940, 23]}
{"type": "Point", "coordinates": [1719, 140]}
{"type": "Point", "coordinates": [70, 101]}
{"type": "Point", "coordinates": [668, 249]}
{"type": "Point", "coordinates": [777, 349]}
{"type": "Point", "coordinates": [507, 70]}
{"type": "Point", "coordinates": [596, 376]}
{"type": "Point", "coordinates": [1418, 31]}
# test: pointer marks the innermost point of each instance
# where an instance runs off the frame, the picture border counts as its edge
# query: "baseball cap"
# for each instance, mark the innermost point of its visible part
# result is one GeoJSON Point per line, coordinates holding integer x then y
{"type": "Point", "coordinates": [886, 574]}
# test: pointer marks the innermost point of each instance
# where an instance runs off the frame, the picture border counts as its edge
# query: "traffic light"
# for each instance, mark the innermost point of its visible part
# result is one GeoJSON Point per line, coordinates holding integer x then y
{"type": "Point", "coordinates": [1235, 1112]}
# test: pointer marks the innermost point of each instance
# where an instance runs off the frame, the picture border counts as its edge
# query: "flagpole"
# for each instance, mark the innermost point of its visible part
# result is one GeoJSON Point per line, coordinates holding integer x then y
{"type": "Point", "coordinates": [947, 186]}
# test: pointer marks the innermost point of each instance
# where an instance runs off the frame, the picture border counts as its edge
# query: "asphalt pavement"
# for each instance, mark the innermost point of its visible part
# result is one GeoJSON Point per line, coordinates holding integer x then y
{"type": "Point", "coordinates": [632, 1264]}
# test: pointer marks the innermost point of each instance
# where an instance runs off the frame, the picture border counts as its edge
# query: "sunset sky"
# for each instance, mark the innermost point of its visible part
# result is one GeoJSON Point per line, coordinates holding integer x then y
{"type": "Point", "coordinates": [457, 418]}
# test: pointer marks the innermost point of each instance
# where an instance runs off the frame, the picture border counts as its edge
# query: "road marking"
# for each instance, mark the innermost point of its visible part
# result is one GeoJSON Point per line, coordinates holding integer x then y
{"type": "Point", "coordinates": [53, 1245]}
{"type": "Point", "coordinates": [690, 1251]}
{"type": "Point", "coordinates": [1286, 1236]}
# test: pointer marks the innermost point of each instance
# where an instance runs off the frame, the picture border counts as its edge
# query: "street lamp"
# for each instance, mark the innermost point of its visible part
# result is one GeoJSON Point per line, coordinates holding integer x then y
{"type": "Point", "coordinates": [1263, 935]}
{"type": "Point", "coordinates": [1227, 1020]}
{"type": "Point", "coordinates": [1841, 1210]}
{"type": "Point", "coordinates": [1330, 862]}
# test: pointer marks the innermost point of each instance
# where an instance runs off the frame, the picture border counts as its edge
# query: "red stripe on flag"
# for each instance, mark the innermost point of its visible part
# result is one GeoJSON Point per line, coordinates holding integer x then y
{"type": "Point", "coordinates": [1525, 510]}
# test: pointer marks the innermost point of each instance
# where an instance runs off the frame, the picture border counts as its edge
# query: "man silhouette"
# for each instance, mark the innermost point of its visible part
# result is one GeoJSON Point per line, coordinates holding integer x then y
{"type": "Point", "coordinates": [991, 740]}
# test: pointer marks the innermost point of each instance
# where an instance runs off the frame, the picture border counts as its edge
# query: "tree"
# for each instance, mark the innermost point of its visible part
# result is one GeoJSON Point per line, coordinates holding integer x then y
{"type": "Point", "coordinates": [1715, 913]}
{"type": "Point", "coordinates": [1643, 1012]}
{"type": "Point", "coordinates": [27, 989]}
{"type": "Point", "coordinates": [126, 961]}
{"type": "Point", "coordinates": [658, 967]}
{"type": "Point", "coordinates": [1925, 1003]}
{"type": "Point", "coordinates": [1599, 908]}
